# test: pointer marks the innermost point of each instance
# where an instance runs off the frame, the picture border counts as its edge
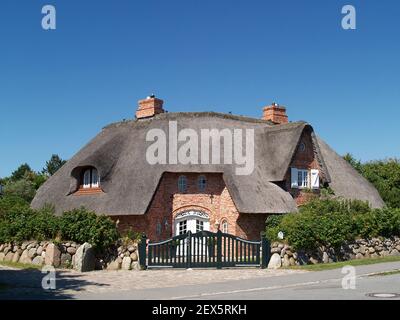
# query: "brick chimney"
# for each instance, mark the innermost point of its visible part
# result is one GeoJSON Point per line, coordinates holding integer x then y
{"type": "Point", "coordinates": [275, 113]}
{"type": "Point", "coordinates": [149, 107]}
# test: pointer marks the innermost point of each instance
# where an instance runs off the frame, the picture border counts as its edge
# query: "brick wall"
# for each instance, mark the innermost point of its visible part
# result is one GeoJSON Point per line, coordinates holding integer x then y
{"type": "Point", "coordinates": [215, 201]}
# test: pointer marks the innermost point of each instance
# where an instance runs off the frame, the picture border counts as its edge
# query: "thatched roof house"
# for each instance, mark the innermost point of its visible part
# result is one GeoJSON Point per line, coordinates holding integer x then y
{"type": "Point", "coordinates": [112, 174]}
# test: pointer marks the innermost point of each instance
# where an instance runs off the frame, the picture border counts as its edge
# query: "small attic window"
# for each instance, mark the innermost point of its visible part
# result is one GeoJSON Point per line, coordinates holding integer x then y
{"type": "Point", "coordinates": [182, 184]}
{"type": "Point", "coordinates": [302, 147]}
{"type": "Point", "coordinates": [90, 178]}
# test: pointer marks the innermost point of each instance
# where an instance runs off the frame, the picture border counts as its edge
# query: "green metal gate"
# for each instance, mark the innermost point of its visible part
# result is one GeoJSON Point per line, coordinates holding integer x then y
{"type": "Point", "coordinates": [204, 249]}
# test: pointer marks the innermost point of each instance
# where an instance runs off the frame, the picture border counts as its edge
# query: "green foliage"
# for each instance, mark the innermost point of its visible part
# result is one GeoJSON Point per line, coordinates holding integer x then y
{"type": "Point", "coordinates": [23, 223]}
{"type": "Point", "coordinates": [82, 226]}
{"type": "Point", "coordinates": [22, 188]}
{"type": "Point", "coordinates": [53, 165]}
{"type": "Point", "coordinates": [11, 202]}
{"type": "Point", "coordinates": [384, 175]}
{"type": "Point", "coordinates": [332, 222]}
{"type": "Point", "coordinates": [21, 172]}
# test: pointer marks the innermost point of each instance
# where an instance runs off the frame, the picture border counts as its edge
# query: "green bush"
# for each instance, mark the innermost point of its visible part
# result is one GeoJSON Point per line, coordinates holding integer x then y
{"type": "Point", "coordinates": [332, 222]}
{"type": "Point", "coordinates": [23, 223]}
{"type": "Point", "coordinates": [82, 226]}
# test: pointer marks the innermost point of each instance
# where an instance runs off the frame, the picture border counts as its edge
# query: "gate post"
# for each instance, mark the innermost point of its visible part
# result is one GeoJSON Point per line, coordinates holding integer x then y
{"type": "Point", "coordinates": [142, 252]}
{"type": "Point", "coordinates": [189, 250]}
{"type": "Point", "coordinates": [219, 249]}
{"type": "Point", "coordinates": [265, 250]}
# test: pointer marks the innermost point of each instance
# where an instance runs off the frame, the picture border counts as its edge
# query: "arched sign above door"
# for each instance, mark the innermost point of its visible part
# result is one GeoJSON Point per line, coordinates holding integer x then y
{"type": "Point", "coordinates": [192, 213]}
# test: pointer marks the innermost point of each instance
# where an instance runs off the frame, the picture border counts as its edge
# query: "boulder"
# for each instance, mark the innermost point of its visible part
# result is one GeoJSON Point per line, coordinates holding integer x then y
{"type": "Point", "coordinates": [6, 250]}
{"type": "Point", "coordinates": [395, 252]}
{"type": "Point", "coordinates": [325, 257]}
{"type": "Point", "coordinates": [9, 256]}
{"type": "Point", "coordinates": [15, 248]}
{"type": "Point", "coordinates": [16, 257]}
{"type": "Point", "coordinates": [32, 252]}
{"type": "Point", "coordinates": [286, 261]}
{"type": "Point", "coordinates": [359, 256]}
{"type": "Point", "coordinates": [362, 249]}
{"type": "Point", "coordinates": [71, 250]}
{"type": "Point", "coordinates": [2, 255]}
{"type": "Point", "coordinates": [135, 265]}
{"type": "Point", "coordinates": [38, 260]}
{"type": "Point", "coordinates": [53, 255]}
{"type": "Point", "coordinates": [114, 265]}
{"type": "Point", "coordinates": [134, 256]}
{"type": "Point", "coordinates": [25, 258]}
{"type": "Point", "coordinates": [1, 247]}
{"type": "Point", "coordinates": [24, 245]}
{"type": "Point", "coordinates": [292, 261]}
{"type": "Point", "coordinates": [276, 250]}
{"type": "Point", "coordinates": [66, 259]}
{"type": "Point", "coordinates": [313, 260]}
{"type": "Point", "coordinates": [275, 262]}
{"type": "Point", "coordinates": [131, 249]}
{"type": "Point", "coordinates": [84, 259]}
{"type": "Point", "coordinates": [126, 263]}
{"type": "Point", "coordinates": [39, 250]}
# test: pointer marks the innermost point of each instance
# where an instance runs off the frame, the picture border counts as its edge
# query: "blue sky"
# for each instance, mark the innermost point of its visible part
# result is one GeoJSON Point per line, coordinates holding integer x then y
{"type": "Point", "coordinates": [59, 88]}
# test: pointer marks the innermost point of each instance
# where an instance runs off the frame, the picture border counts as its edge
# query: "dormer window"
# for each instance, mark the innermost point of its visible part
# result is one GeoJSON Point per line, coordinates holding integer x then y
{"type": "Point", "coordinates": [91, 179]}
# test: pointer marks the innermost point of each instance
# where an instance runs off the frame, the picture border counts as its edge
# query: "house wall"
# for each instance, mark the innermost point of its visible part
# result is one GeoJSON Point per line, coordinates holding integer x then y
{"type": "Point", "coordinates": [306, 159]}
{"type": "Point", "coordinates": [215, 201]}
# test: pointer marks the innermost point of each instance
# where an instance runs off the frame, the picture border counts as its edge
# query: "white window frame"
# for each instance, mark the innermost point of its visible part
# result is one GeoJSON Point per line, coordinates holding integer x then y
{"type": "Point", "coordinates": [303, 179]}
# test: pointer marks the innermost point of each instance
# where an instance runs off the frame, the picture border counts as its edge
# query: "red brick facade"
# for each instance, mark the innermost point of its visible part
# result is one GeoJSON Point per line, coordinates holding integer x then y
{"type": "Point", "coordinates": [215, 200]}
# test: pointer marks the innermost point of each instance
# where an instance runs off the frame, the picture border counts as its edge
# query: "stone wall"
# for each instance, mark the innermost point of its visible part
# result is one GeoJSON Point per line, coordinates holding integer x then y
{"type": "Point", "coordinates": [72, 255]}
{"type": "Point", "coordinates": [283, 255]}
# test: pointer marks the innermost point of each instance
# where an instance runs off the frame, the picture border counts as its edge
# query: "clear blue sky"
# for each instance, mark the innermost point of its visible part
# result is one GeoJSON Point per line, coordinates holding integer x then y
{"type": "Point", "coordinates": [59, 88]}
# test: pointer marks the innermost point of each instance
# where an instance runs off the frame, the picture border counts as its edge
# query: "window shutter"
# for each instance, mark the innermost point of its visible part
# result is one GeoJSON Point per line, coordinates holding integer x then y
{"type": "Point", "coordinates": [314, 179]}
{"type": "Point", "coordinates": [294, 178]}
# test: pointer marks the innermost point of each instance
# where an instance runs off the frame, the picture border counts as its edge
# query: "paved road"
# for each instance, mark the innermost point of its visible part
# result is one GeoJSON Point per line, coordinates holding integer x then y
{"type": "Point", "coordinates": [205, 284]}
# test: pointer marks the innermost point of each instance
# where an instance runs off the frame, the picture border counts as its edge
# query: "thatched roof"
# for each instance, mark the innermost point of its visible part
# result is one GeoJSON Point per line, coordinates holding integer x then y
{"type": "Point", "coordinates": [129, 181]}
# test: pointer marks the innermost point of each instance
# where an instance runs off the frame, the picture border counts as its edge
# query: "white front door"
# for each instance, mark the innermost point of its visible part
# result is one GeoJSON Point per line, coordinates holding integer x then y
{"type": "Point", "coordinates": [193, 221]}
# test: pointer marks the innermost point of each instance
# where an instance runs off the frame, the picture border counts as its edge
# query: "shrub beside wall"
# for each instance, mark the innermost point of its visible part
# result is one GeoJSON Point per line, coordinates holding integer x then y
{"type": "Point", "coordinates": [331, 223]}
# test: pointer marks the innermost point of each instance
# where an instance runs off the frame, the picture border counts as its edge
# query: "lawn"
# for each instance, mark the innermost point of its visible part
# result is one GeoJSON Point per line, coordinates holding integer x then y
{"type": "Point", "coordinates": [18, 265]}
{"type": "Point", "coordinates": [335, 265]}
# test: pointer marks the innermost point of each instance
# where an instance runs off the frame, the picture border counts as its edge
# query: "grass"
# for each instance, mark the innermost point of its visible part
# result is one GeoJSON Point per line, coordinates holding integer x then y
{"type": "Point", "coordinates": [18, 265]}
{"type": "Point", "coordinates": [387, 273]}
{"type": "Point", "coordinates": [335, 265]}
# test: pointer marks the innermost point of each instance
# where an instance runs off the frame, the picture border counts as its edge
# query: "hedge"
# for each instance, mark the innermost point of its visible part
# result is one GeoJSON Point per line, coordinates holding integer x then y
{"type": "Point", "coordinates": [18, 222]}
{"type": "Point", "coordinates": [333, 222]}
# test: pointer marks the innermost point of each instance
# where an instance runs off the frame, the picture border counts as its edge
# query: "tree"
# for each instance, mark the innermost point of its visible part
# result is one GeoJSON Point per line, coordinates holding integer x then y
{"type": "Point", "coordinates": [21, 172]}
{"type": "Point", "coordinates": [22, 188]}
{"type": "Point", "coordinates": [53, 165]}
{"type": "Point", "coordinates": [384, 175]}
